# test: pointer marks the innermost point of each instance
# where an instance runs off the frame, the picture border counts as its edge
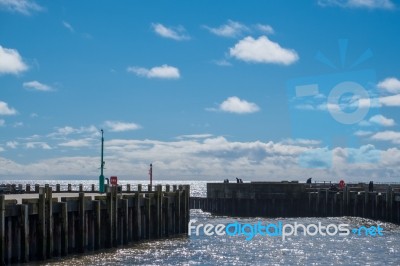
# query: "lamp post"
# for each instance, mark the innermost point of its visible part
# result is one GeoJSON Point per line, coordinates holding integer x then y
{"type": "Point", "coordinates": [101, 177]}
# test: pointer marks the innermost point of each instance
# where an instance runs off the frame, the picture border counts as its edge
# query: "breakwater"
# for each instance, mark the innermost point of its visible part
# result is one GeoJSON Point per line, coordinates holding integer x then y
{"type": "Point", "coordinates": [293, 199]}
{"type": "Point", "coordinates": [53, 225]}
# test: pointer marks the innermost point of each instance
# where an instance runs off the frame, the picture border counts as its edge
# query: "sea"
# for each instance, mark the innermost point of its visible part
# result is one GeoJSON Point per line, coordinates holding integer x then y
{"type": "Point", "coordinates": [352, 249]}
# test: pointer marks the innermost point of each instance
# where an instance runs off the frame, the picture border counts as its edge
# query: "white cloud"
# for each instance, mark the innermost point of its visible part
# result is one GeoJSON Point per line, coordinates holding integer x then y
{"type": "Point", "coordinates": [78, 143]}
{"type": "Point", "coordinates": [176, 33]}
{"type": "Point", "coordinates": [392, 136]}
{"type": "Point", "coordinates": [18, 124]}
{"type": "Point", "coordinates": [5, 110]}
{"type": "Point", "coordinates": [267, 29]}
{"type": "Point", "coordinates": [206, 158]}
{"type": "Point", "coordinates": [391, 85]}
{"type": "Point", "coordinates": [262, 50]}
{"type": "Point", "coordinates": [62, 132]}
{"type": "Point", "coordinates": [25, 7]}
{"type": "Point", "coordinates": [234, 29]}
{"type": "Point", "coordinates": [117, 126]}
{"type": "Point", "coordinates": [382, 121]}
{"type": "Point", "coordinates": [222, 62]}
{"type": "Point", "coordinates": [12, 144]}
{"type": "Point", "coordinates": [354, 102]}
{"type": "Point", "coordinates": [236, 105]}
{"type": "Point", "coordinates": [370, 4]}
{"type": "Point", "coordinates": [305, 142]}
{"type": "Point", "coordinates": [194, 136]}
{"type": "Point", "coordinates": [230, 29]}
{"type": "Point", "coordinates": [35, 145]}
{"type": "Point", "coordinates": [378, 120]}
{"type": "Point", "coordinates": [393, 100]}
{"type": "Point", "coordinates": [68, 26]}
{"type": "Point", "coordinates": [162, 72]}
{"type": "Point", "coordinates": [362, 133]}
{"type": "Point", "coordinates": [11, 62]}
{"type": "Point", "coordinates": [2, 122]}
{"type": "Point", "coordinates": [36, 85]}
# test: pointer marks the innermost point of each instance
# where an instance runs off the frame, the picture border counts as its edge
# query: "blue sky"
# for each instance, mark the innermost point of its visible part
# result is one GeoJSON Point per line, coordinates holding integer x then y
{"type": "Point", "coordinates": [201, 89]}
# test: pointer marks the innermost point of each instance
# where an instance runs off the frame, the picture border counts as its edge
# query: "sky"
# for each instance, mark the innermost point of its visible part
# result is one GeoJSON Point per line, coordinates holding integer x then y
{"type": "Point", "coordinates": [203, 90]}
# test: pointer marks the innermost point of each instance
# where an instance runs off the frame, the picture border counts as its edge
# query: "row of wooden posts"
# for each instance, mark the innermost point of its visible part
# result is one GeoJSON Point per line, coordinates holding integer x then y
{"type": "Point", "coordinates": [321, 202]}
{"type": "Point", "coordinates": [43, 228]}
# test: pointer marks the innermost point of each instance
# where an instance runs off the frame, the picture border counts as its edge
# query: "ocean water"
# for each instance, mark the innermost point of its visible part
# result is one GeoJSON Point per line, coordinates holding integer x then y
{"type": "Point", "coordinates": [261, 250]}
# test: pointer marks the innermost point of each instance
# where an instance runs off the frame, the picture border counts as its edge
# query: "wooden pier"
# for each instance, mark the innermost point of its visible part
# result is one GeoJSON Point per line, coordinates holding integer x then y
{"type": "Point", "coordinates": [46, 227]}
{"type": "Point", "coordinates": [293, 199]}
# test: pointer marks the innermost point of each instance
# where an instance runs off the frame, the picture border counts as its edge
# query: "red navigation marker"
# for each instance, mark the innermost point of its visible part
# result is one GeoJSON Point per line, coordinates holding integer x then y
{"type": "Point", "coordinates": [114, 180]}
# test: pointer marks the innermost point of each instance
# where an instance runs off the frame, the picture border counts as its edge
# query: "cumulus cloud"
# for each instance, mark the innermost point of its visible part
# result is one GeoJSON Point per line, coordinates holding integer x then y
{"type": "Point", "coordinates": [305, 142]}
{"type": "Point", "coordinates": [11, 62]}
{"type": "Point", "coordinates": [25, 7]}
{"type": "Point", "coordinates": [392, 136]}
{"type": "Point", "coordinates": [194, 136]}
{"type": "Point", "coordinates": [369, 4]}
{"type": "Point", "coordinates": [12, 144]}
{"type": "Point", "coordinates": [382, 121]}
{"type": "Point", "coordinates": [391, 85]}
{"type": "Point", "coordinates": [233, 29]}
{"type": "Point", "coordinates": [6, 110]}
{"type": "Point", "coordinates": [222, 62]}
{"type": "Point", "coordinates": [37, 86]}
{"type": "Point", "coordinates": [215, 156]}
{"type": "Point", "coordinates": [161, 72]}
{"type": "Point", "coordinates": [62, 132]}
{"type": "Point", "coordinates": [262, 50]}
{"type": "Point", "coordinates": [378, 120]}
{"type": "Point", "coordinates": [392, 100]}
{"type": "Point", "coordinates": [362, 133]}
{"type": "Point", "coordinates": [230, 29]}
{"type": "Point", "coordinates": [236, 105]}
{"type": "Point", "coordinates": [175, 33]}
{"type": "Point", "coordinates": [117, 126]}
{"type": "Point", "coordinates": [78, 143]}
{"type": "Point", "coordinates": [350, 105]}
{"type": "Point", "coordinates": [267, 29]}
{"type": "Point", "coordinates": [38, 145]}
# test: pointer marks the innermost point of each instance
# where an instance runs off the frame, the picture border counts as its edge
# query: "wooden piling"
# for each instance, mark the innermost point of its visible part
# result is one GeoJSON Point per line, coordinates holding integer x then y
{"type": "Point", "coordinates": [110, 213]}
{"type": "Point", "coordinates": [41, 236]}
{"type": "Point", "coordinates": [64, 228]}
{"type": "Point", "coordinates": [125, 228]}
{"type": "Point", "coordinates": [49, 221]}
{"type": "Point", "coordinates": [25, 232]}
{"type": "Point", "coordinates": [97, 224]}
{"type": "Point", "coordinates": [42, 228]}
{"type": "Point", "coordinates": [2, 229]}
{"type": "Point", "coordinates": [158, 208]}
{"type": "Point", "coordinates": [81, 228]}
{"type": "Point", "coordinates": [137, 229]}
